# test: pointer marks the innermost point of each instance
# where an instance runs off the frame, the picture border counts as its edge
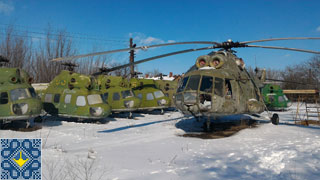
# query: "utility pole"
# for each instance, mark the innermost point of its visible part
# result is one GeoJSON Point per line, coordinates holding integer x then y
{"type": "Point", "coordinates": [132, 73]}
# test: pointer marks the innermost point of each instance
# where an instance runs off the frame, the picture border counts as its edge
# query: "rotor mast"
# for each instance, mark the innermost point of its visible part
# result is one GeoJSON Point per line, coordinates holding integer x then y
{"type": "Point", "coordinates": [132, 74]}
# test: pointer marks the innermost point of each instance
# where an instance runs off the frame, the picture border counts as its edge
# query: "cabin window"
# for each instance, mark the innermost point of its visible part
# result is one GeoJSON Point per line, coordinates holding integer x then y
{"type": "Point", "coordinates": [150, 96]}
{"type": "Point", "coordinates": [67, 99]}
{"type": "Point", "coordinates": [126, 94]}
{"type": "Point", "coordinates": [33, 92]}
{"type": "Point", "coordinates": [193, 82]}
{"type": "Point", "coordinates": [158, 94]}
{"type": "Point", "coordinates": [56, 98]}
{"type": "Point", "coordinates": [105, 97]}
{"type": "Point", "coordinates": [17, 94]}
{"type": "Point", "coordinates": [81, 101]}
{"type": "Point", "coordinates": [271, 98]}
{"type": "Point", "coordinates": [94, 99]}
{"type": "Point", "coordinates": [228, 89]}
{"type": "Point", "coordinates": [116, 96]}
{"type": "Point", "coordinates": [4, 98]}
{"type": "Point", "coordinates": [139, 96]}
{"type": "Point", "coordinates": [206, 84]}
{"type": "Point", "coordinates": [218, 86]}
{"type": "Point", "coordinates": [281, 99]}
{"type": "Point", "coordinates": [48, 98]}
{"type": "Point", "coordinates": [183, 84]}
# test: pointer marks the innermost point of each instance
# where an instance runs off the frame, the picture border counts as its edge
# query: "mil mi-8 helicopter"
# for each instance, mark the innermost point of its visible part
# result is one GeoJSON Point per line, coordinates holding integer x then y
{"type": "Point", "coordinates": [18, 99]}
{"type": "Point", "coordinates": [218, 84]}
{"type": "Point", "coordinates": [72, 95]}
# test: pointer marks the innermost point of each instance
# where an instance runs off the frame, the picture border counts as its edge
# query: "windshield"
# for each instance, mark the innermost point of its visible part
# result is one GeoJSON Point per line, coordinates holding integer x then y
{"type": "Point", "coordinates": [193, 82]}
{"type": "Point", "coordinates": [17, 94]}
{"type": "Point", "coordinates": [94, 99]}
{"type": "Point", "coordinates": [126, 94]}
{"type": "Point", "coordinates": [158, 94]}
{"type": "Point", "coordinates": [206, 84]}
{"type": "Point", "coordinates": [183, 84]}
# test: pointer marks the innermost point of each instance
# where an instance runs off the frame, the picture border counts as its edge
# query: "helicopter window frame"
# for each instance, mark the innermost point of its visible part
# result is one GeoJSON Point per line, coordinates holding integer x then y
{"type": "Point", "coordinates": [193, 82]}
{"type": "Point", "coordinates": [149, 97]}
{"type": "Point", "coordinates": [67, 98]}
{"type": "Point", "coordinates": [116, 96]}
{"type": "Point", "coordinates": [81, 101]}
{"type": "Point", "coordinates": [56, 98]}
{"type": "Point", "coordinates": [183, 84]}
{"type": "Point", "coordinates": [4, 98]}
{"type": "Point", "coordinates": [48, 98]}
{"type": "Point", "coordinates": [203, 88]}
{"type": "Point", "coordinates": [218, 86]}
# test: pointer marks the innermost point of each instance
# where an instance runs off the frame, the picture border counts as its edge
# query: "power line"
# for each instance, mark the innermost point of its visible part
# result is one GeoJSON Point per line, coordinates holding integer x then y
{"type": "Point", "coordinates": [89, 37]}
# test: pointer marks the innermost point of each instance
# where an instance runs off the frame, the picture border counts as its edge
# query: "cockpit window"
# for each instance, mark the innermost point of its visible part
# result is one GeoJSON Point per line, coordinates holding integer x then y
{"type": "Point", "coordinates": [4, 98]}
{"type": "Point", "coordinates": [206, 84]}
{"type": "Point", "coordinates": [17, 94]}
{"type": "Point", "coordinates": [183, 84]}
{"type": "Point", "coordinates": [32, 92]}
{"type": "Point", "coordinates": [94, 99]}
{"type": "Point", "coordinates": [218, 86]}
{"type": "Point", "coordinates": [126, 94]}
{"type": "Point", "coordinates": [158, 94]}
{"type": "Point", "coordinates": [193, 82]}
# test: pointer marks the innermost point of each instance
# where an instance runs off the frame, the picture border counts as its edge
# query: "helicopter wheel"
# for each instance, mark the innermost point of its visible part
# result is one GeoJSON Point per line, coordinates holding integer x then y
{"type": "Point", "coordinates": [275, 119]}
{"type": "Point", "coordinates": [130, 115]}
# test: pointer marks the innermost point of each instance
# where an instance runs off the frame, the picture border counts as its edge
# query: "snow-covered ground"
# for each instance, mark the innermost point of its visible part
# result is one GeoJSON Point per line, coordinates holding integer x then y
{"type": "Point", "coordinates": [151, 147]}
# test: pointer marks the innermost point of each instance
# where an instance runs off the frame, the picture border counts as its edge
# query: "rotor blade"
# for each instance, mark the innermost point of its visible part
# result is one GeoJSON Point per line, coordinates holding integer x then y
{"type": "Point", "coordinates": [293, 82]}
{"type": "Point", "coordinates": [285, 48]}
{"type": "Point", "coordinates": [160, 56]}
{"type": "Point", "coordinates": [279, 39]}
{"type": "Point", "coordinates": [136, 48]}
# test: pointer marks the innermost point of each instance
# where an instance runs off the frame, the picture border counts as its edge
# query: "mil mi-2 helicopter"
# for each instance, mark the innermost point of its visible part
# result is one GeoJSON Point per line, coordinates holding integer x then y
{"type": "Point", "coordinates": [136, 94]}
{"type": "Point", "coordinates": [274, 98]}
{"type": "Point", "coordinates": [218, 84]}
{"type": "Point", "coordinates": [116, 91]}
{"type": "Point", "coordinates": [18, 99]}
{"type": "Point", "coordinates": [72, 95]}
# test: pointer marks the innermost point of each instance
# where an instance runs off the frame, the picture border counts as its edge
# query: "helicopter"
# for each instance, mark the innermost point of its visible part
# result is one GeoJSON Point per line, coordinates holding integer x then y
{"type": "Point", "coordinates": [116, 92]}
{"type": "Point", "coordinates": [72, 95]}
{"type": "Point", "coordinates": [18, 99]}
{"type": "Point", "coordinates": [168, 87]}
{"type": "Point", "coordinates": [274, 98]}
{"type": "Point", "coordinates": [218, 84]}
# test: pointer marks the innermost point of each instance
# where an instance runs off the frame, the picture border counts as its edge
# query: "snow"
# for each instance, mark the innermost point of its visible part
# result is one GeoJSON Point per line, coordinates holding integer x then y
{"type": "Point", "coordinates": [151, 147]}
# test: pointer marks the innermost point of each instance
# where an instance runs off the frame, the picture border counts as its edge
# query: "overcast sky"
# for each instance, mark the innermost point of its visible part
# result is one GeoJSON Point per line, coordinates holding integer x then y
{"type": "Point", "coordinates": [108, 25]}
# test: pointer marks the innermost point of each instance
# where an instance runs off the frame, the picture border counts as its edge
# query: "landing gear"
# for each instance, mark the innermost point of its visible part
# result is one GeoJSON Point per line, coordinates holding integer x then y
{"type": "Point", "coordinates": [30, 123]}
{"type": "Point", "coordinates": [207, 125]}
{"type": "Point", "coordinates": [130, 115]}
{"type": "Point", "coordinates": [275, 119]}
{"type": "Point", "coordinates": [162, 112]}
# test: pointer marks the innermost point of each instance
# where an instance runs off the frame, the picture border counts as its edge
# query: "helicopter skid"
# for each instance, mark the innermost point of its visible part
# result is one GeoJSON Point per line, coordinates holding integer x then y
{"type": "Point", "coordinates": [152, 108]}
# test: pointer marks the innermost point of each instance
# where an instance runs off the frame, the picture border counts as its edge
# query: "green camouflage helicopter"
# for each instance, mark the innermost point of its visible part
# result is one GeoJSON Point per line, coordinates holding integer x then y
{"type": "Point", "coordinates": [274, 98]}
{"type": "Point", "coordinates": [151, 97]}
{"type": "Point", "coordinates": [18, 99]}
{"type": "Point", "coordinates": [72, 95]}
{"type": "Point", "coordinates": [168, 87]}
{"type": "Point", "coordinates": [136, 94]}
{"type": "Point", "coordinates": [218, 84]}
{"type": "Point", "coordinates": [116, 92]}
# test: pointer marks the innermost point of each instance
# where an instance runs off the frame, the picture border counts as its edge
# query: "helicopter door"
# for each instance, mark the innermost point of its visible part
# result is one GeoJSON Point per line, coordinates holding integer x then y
{"type": "Point", "coordinates": [229, 95]}
{"type": "Point", "coordinates": [68, 106]}
{"type": "Point", "coordinates": [218, 94]}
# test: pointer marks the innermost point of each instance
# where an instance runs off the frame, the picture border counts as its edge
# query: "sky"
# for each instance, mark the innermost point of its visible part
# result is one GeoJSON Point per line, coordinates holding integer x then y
{"type": "Point", "coordinates": [99, 25]}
